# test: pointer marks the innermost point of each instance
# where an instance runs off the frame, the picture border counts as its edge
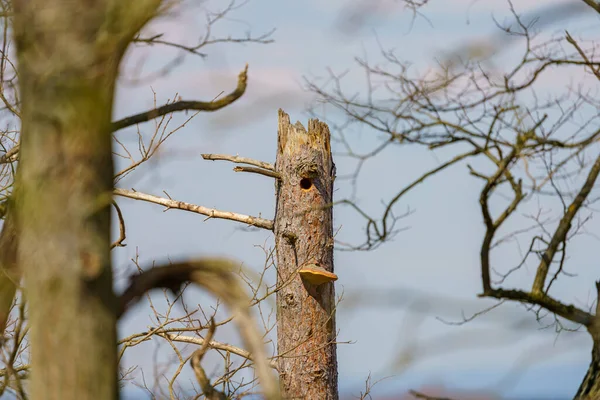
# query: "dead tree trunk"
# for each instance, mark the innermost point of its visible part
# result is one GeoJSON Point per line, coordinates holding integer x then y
{"type": "Point", "coordinates": [304, 242]}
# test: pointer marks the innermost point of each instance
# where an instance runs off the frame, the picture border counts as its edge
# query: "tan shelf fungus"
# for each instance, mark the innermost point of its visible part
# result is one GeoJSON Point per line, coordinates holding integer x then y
{"type": "Point", "coordinates": [316, 275]}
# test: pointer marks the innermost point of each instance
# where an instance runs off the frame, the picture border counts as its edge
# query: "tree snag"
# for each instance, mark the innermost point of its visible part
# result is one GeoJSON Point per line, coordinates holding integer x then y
{"type": "Point", "coordinates": [306, 343]}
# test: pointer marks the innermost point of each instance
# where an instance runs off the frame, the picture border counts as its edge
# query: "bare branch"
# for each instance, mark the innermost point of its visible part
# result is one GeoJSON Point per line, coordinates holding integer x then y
{"type": "Point", "coordinates": [567, 311]}
{"type": "Point", "coordinates": [595, 71]}
{"type": "Point", "coordinates": [10, 155]}
{"type": "Point", "coordinates": [239, 160]}
{"type": "Point", "coordinates": [187, 105]}
{"type": "Point", "coordinates": [213, 345]}
{"type": "Point", "coordinates": [210, 212]}
{"type": "Point", "coordinates": [260, 171]}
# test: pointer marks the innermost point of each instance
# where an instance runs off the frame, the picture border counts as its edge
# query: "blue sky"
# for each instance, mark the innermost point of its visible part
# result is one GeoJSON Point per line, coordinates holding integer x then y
{"type": "Point", "coordinates": [432, 265]}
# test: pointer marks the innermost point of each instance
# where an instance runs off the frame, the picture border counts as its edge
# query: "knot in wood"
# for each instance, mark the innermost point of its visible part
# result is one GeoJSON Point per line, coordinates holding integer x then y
{"type": "Point", "coordinates": [290, 300]}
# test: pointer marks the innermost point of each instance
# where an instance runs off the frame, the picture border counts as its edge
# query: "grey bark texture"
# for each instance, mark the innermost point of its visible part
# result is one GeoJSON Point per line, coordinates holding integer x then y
{"type": "Point", "coordinates": [306, 336]}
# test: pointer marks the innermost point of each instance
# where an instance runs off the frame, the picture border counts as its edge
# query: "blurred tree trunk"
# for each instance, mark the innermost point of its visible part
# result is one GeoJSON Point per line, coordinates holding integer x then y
{"type": "Point", "coordinates": [304, 235]}
{"type": "Point", "coordinates": [68, 55]}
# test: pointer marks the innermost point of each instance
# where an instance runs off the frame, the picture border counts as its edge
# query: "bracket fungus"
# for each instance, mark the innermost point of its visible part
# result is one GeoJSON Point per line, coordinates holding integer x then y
{"type": "Point", "coordinates": [316, 275]}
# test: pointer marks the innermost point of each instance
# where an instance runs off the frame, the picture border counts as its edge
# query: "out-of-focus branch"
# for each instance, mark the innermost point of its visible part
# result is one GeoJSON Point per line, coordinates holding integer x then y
{"type": "Point", "coordinates": [212, 18]}
{"type": "Point", "coordinates": [122, 234]}
{"type": "Point", "coordinates": [195, 49]}
{"type": "Point", "coordinates": [211, 213]}
{"type": "Point", "coordinates": [10, 155]}
{"type": "Point", "coordinates": [572, 42]}
{"type": "Point", "coordinates": [186, 105]}
{"type": "Point", "coordinates": [169, 108]}
{"type": "Point", "coordinates": [594, 4]}
{"type": "Point", "coordinates": [423, 396]}
{"type": "Point", "coordinates": [492, 225]}
{"type": "Point", "coordinates": [218, 277]}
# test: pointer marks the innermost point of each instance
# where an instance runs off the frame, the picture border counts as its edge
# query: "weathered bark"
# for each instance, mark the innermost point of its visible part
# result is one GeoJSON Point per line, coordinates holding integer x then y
{"type": "Point", "coordinates": [590, 386]}
{"type": "Point", "coordinates": [304, 235]}
{"type": "Point", "coordinates": [68, 56]}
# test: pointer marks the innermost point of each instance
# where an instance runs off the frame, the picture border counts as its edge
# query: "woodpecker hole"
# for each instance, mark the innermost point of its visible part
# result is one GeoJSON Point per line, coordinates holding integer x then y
{"type": "Point", "coordinates": [305, 183]}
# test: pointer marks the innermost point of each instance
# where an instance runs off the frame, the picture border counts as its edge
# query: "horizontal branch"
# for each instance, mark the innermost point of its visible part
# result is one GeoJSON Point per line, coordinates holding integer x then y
{"type": "Point", "coordinates": [209, 212]}
{"type": "Point", "coordinates": [213, 345]}
{"type": "Point", "coordinates": [146, 116]}
{"type": "Point", "coordinates": [259, 171]}
{"type": "Point", "coordinates": [186, 105]}
{"type": "Point", "coordinates": [239, 160]}
{"type": "Point", "coordinates": [566, 311]}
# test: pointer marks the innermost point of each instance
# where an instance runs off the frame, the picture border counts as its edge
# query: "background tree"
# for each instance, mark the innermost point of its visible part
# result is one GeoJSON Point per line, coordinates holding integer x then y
{"type": "Point", "coordinates": [532, 149]}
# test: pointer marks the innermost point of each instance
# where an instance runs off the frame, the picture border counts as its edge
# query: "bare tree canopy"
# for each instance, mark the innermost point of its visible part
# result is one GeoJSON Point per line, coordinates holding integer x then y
{"type": "Point", "coordinates": [532, 150]}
